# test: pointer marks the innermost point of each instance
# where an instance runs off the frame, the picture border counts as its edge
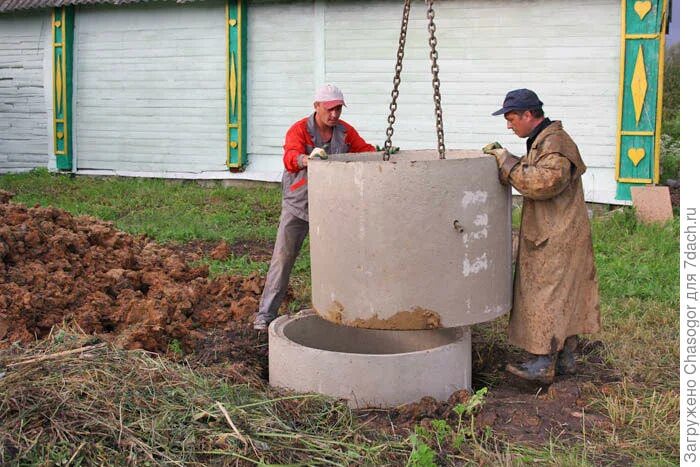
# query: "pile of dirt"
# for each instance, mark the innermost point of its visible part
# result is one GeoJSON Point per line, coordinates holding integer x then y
{"type": "Point", "coordinates": [57, 268]}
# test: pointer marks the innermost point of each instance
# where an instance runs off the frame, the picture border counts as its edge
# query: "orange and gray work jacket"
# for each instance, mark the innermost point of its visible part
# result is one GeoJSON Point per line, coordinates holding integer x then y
{"type": "Point", "coordinates": [301, 139]}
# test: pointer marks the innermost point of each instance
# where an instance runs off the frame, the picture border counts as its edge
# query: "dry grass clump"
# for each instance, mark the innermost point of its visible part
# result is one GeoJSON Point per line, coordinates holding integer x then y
{"type": "Point", "coordinates": [644, 405]}
{"type": "Point", "coordinates": [69, 399]}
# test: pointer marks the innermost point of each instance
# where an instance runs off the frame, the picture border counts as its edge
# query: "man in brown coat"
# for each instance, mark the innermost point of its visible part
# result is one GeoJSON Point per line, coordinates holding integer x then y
{"type": "Point", "coordinates": [555, 295]}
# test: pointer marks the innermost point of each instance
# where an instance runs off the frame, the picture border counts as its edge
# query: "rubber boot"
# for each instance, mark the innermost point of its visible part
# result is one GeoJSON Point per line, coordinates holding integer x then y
{"type": "Point", "coordinates": [540, 368]}
{"type": "Point", "coordinates": [566, 362]}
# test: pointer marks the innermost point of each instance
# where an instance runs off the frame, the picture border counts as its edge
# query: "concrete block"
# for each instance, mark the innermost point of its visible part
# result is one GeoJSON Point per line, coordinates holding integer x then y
{"type": "Point", "coordinates": [652, 203]}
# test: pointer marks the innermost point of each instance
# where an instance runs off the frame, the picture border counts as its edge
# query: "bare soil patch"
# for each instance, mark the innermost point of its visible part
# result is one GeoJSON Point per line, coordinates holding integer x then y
{"type": "Point", "coordinates": [514, 410]}
{"type": "Point", "coordinates": [530, 413]}
{"type": "Point", "coordinates": [259, 251]}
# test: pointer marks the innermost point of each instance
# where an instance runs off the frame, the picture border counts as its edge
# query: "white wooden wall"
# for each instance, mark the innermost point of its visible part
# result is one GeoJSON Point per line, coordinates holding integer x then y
{"type": "Point", "coordinates": [149, 96]}
{"type": "Point", "coordinates": [281, 81]}
{"type": "Point", "coordinates": [24, 115]}
{"type": "Point", "coordinates": [568, 52]}
{"type": "Point", "coordinates": [150, 87]}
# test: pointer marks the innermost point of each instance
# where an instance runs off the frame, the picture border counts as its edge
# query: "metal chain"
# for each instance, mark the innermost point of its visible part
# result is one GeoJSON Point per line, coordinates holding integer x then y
{"type": "Point", "coordinates": [397, 79]}
{"type": "Point", "coordinates": [435, 69]}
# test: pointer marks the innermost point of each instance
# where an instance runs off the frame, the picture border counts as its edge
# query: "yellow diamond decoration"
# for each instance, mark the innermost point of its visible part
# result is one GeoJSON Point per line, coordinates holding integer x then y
{"type": "Point", "coordinates": [232, 84]}
{"type": "Point", "coordinates": [59, 87]}
{"type": "Point", "coordinates": [639, 85]}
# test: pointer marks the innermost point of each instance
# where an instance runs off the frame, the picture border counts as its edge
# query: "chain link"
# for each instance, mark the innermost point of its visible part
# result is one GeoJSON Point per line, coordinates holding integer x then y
{"type": "Point", "coordinates": [397, 79]}
{"type": "Point", "coordinates": [435, 69]}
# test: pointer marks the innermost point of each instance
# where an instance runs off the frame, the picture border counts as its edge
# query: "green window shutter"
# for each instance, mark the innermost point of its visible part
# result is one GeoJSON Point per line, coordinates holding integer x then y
{"type": "Point", "coordinates": [62, 28]}
{"type": "Point", "coordinates": [236, 84]}
{"type": "Point", "coordinates": [641, 91]}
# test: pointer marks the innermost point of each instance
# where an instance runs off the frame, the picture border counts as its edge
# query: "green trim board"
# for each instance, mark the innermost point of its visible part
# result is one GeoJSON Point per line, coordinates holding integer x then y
{"type": "Point", "coordinates": [62, 39]}
{"type": "Point", "coordinates": [237, 156]}
{"type": "Point", "coordinates": [641, 87]}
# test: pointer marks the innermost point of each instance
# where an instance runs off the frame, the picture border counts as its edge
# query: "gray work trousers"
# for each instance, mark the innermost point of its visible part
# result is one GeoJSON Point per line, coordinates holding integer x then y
{"type": "Point", "coordinates": [290, 236]}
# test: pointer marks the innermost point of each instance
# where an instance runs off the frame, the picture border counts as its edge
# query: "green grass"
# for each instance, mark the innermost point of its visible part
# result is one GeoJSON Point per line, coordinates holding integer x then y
{"type": "Point", "coordinates": [163, 210]}
{"type": "Point", "coordinates": [638, 272]}
{"type": "Point", "coordinates": [635, 260]}
{"type": "Point", "coordinates": [241, 265]}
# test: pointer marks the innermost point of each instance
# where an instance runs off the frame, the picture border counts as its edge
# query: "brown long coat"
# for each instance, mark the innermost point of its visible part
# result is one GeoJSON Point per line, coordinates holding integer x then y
{"type": "Point", "coordinates": [556, 289]}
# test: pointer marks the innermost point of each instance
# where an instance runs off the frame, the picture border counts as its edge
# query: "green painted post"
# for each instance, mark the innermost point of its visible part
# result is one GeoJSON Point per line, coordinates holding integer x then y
{"type": "Point", "coordinates": [62, 24]}
{"type": "Point", "coordinates": [237, 156]}
{"type": "Point", "coordinates": [641, 89]}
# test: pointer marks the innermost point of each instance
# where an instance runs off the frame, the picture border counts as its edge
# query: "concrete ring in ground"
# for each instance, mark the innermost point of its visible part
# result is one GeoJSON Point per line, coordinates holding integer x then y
{"type": "Point", "coordinates": [367, 367]}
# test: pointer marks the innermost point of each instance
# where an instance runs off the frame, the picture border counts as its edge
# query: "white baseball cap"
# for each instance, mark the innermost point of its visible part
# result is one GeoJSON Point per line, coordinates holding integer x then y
{"type": "Point", "coordinates": [330, 96]}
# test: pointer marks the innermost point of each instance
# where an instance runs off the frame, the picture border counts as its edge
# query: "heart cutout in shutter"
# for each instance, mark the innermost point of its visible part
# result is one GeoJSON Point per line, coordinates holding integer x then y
{"type": "Point", "coordinates": [642, 8]}
{"type": "Point", "coordinates": [636, 155]}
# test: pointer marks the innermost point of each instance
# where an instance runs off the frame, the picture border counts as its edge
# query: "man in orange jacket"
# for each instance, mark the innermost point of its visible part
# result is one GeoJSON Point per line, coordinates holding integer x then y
{"type": "Point", "coordinates": [323, 132]}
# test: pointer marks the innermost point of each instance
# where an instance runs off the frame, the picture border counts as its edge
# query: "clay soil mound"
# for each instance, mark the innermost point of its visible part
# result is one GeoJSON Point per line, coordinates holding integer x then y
{"type": "Point", "coordinates": [57, 268]}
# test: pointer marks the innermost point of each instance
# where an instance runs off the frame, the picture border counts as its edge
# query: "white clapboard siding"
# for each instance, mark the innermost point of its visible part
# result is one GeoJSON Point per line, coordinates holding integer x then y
{"type": "Point", "coordinates": [24, 137]}
{"type": "Point", "coordinates": [150, 94]}
{"type": "Point", "coordinates": [567, 51]}
{"type": "Point", "coordinates": [281, 76]}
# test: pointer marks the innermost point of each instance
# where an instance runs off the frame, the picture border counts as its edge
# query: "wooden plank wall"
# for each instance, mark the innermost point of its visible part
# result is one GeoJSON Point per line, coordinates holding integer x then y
{"type": "Point", "coordinates": [24, 112]}
{"type": "Point", "coordinates": [151, 93]}
{"type": "Point", "coordinates": [567, 51]}
{"type": "Point", "coordinates": [281, 75]}
{"type": "Point", "coordinates": [150, 78]}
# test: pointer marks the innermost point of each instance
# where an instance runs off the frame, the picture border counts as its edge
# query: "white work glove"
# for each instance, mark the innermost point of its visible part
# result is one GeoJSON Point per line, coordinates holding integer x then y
{"type": "Point", "coordinates": [318, 153]}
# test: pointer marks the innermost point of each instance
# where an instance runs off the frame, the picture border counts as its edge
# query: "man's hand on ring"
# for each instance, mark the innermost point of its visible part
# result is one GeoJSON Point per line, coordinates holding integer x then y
{"type": "Point", "coordinates": [318, 153]}
{"type": "Point", "coordinates": [500, 153]}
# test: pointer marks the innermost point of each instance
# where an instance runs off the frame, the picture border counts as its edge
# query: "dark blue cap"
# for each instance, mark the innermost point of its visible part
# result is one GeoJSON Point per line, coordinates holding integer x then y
{"type": "Point", "coordinates": [520, 99]}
